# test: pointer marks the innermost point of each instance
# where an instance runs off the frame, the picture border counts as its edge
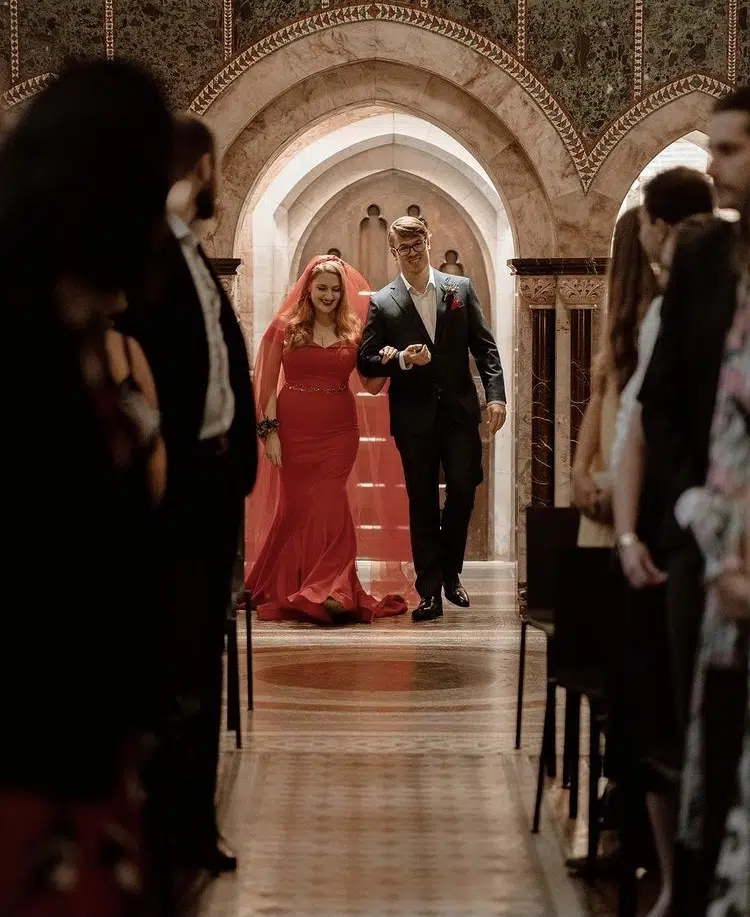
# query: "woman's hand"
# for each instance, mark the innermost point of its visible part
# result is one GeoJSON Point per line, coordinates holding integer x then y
{"type": "Point", "coordinates": [585, 492]}
{"type": "Point", "coordinates": [272, 447]}
{"type": "Point", "coordinates": [387, 354]}
{"type": "Point", "coordinates": [639, 567]}
{"type": "Point", "coordinates": [733, 589]}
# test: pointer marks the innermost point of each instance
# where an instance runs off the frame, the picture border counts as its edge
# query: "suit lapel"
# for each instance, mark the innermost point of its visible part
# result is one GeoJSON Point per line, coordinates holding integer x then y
{"type": "Point", "coordinates": [404, 301]}
{"type": "Point", "coordinates": [441, 305]}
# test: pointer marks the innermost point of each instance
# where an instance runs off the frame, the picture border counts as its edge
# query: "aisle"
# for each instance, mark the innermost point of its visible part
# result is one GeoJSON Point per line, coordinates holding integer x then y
{"type": "Point", "coordinates": [378, 776]}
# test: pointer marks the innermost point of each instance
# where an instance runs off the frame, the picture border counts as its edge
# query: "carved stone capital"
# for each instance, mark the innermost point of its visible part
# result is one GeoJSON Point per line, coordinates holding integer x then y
{"type": "Point", "coordinates": [537, 292]}
{"type": "Point", "coordinates": [580, 292]}
{"type": "Point", "coordinates": [227, 270]}
{"type": "Point", "coordinates": [226, 267]}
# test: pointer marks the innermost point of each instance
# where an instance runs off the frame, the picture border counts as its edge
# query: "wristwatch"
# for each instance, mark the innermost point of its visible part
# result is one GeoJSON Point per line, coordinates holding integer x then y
{"type": "Point", "coordinates": [627, 540]}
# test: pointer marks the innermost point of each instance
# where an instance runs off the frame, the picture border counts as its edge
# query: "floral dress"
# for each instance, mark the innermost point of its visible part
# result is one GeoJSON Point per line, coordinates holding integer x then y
{"type": "Point", "coordinates": [718, 522]}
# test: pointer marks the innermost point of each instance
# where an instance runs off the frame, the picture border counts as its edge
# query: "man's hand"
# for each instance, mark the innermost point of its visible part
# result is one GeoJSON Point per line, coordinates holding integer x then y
{"type": "Point", "coordinates": [495, 416]}
{"type": "Point", "coordinates": [387, 354]}
{"type": "Point", "coordinates": [417, 355]}
{"type": "Point", "coordinates": [639, 567]}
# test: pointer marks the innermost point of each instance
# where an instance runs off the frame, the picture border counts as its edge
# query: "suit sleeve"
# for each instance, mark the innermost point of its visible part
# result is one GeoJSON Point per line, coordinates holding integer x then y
{"type": "Point", "coordinates": [484, 349]}
{"type": "Point", "coordinates": [373, 341]}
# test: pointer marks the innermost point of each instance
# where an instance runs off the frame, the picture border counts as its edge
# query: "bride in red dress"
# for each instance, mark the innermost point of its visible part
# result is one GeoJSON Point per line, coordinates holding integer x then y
{"type": "Point", "coordinates": [301, 536]}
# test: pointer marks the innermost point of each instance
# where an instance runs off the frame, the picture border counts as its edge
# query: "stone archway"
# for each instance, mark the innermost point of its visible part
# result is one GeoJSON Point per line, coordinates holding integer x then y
{"type": "Point", "coordinates": [323, 95]}
{"type": "Point", "coordinates": [653, 133]}
{"type": "Point", "coordinates": [562, 198]}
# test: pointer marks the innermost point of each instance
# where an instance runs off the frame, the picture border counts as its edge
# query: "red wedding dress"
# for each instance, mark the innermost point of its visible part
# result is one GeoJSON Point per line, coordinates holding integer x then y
{"type": "Point", "coordinates": [301, 534]}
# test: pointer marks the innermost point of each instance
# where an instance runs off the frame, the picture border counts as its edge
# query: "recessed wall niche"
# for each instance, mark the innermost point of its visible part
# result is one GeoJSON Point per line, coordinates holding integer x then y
{"type": "Point", "coordinates": [365, 210]}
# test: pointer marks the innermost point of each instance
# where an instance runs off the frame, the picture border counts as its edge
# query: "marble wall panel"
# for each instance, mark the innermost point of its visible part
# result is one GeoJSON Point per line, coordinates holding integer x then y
{"type": "Point", "coordinates": [683, 35]}
{"type": "Point", "coordinates": [253, 19]}
{"type": "Point", "coordinates": [580, 370]}
{"type": "Point", "coordinates": [51, 31]}
{"type": "Point", "coordinates": [743, 43]}
{"type": "Point", "coordinates": [562, 413]}
{"type": "Point", "coordinates": [181, 39]}
{"type": "Point", "coordinates": [583, 50]}
{"type": "Point", "coordinates": [523, 414]}
{"type": "Point", "coordinates": [4, 45]}
{"type": "Point", "coordinates": [495, 19]}
{"type": "Point", "coordinates": [543, 334]}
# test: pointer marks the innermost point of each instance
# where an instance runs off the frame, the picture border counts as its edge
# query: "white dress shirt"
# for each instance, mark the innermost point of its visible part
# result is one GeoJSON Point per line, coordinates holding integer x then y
{"type": "Point", "coordinates": [218, 412]}
{"type": "Point", "coordinates": [426, 305]}
{"type": "Point", "coordinates": [647, 335]}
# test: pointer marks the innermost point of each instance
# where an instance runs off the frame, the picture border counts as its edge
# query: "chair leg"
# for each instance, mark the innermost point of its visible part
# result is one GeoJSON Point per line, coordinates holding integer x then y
{"type": "Point", "coordinates": [233, 680]}
{"type": "Point", "coordinates": [249, 648]}
{"type": "Point", "coordinates": [595, 769]}
{"type": "Point", "coordinates": [569, 703]}
{"type": "Point", "coordinates": [627, 886]}
{"type": "Point", "coordinates": [573, 741]}
{"type": "Point", "coordinates": [551, 756]}
{"type": "Point", "coordinates": [547, 740]}
{"type": "Point", "coordinates": [521, 675]}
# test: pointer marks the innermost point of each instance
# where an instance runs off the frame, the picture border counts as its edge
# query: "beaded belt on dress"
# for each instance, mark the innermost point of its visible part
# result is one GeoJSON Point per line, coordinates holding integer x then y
{"type": "Point", "coordinates": [317, 388]}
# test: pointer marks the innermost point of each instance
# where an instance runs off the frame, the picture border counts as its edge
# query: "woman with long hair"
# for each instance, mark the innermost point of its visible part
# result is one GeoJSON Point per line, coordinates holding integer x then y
{"type": "Point", "coordinates": [302, 539]}
{"type": "Point", "coordinates": [631, 288]}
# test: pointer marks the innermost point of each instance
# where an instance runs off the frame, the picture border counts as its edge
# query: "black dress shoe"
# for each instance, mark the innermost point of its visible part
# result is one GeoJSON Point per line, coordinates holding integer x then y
{"type": "Point", "coordinates": [456, 594]}
{"type": "Point", "coordinates": [429, 609]}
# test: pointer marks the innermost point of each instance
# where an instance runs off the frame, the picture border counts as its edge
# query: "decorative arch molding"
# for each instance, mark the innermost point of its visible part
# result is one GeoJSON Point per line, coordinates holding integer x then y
{"type": "Point", "coordinates": [587, 159]}
{"type": "Point", "coordinates": [313, 101]}
{"type": "Point", "coordinates": [654, 132]}
{"type": "Point", "coordinates": [25, 90]}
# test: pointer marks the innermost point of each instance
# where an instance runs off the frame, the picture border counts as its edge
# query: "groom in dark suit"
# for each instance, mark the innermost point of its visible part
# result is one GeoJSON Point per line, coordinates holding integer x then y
{"type": "Point", "coordinates": [434, 320]}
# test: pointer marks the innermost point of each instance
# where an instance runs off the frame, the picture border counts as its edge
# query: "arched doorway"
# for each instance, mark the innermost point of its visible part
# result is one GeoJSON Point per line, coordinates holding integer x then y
{"type": "Point", "coordinates": [336, 187]}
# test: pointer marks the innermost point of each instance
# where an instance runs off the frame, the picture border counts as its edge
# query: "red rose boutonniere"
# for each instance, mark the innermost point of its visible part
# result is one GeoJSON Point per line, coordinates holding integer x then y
{"type": "Point", "coordinates": [451, 296]}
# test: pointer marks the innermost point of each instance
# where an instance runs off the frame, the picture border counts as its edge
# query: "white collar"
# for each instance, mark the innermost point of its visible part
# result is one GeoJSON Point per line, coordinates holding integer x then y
{"type": "Point", "coordinates": [430, 283]}
{"type": "Point", "coordinates": [179, 227]}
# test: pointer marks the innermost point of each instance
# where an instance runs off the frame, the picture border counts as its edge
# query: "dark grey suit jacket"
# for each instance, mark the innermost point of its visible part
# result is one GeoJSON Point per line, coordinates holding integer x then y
{"type": "Point", "coordinates": [415, 393]}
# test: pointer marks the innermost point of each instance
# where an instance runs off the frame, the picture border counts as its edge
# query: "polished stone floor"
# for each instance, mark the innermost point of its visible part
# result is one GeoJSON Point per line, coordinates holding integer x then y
{"type": "Point", "coordinates": [378, 775]}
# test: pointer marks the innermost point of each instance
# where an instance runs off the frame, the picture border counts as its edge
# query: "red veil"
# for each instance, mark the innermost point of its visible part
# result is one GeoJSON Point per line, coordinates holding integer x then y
{"type": "Point", "coordinates": [377, 493]}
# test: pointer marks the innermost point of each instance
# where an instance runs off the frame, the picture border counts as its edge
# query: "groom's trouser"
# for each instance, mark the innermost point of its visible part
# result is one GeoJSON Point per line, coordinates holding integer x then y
{"type": "Point", "coordinates": [438, 541]}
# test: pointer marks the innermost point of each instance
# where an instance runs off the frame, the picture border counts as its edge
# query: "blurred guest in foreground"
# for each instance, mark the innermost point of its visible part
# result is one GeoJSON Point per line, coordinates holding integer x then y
{"type": "Point", "coordinates": [186, 325]}
{"type": "Point", "coordinates": [83, 180]}
{"type": "Point", "coordinates": [715, 805]}
{"type": "Point", "coordinates": [666, 452]}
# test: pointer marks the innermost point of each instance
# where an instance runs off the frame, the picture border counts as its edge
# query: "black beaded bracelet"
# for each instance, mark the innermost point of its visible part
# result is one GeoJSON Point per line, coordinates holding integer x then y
{"type": "Point", "coordinates": [266, 427]}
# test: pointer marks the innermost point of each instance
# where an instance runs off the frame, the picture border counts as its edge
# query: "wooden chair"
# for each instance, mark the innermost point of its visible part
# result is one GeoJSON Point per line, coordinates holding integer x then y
{"type": "Point", "coordinates": [584, 627]}
{"type": "Point", "coordinates": [548, 530]}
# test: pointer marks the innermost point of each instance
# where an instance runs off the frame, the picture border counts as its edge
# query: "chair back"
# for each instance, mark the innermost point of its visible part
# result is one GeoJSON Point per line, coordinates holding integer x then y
{"type": "Point", "coordinates": [549, 529]}
{"type": "Point", "coordinates": [587, 611]}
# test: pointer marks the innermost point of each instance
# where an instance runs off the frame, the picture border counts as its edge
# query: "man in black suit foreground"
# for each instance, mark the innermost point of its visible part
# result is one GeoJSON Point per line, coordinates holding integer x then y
{"type": "Point", "coordinates": [434, 320]}
{"type": "Point", "coordinates": [188, 330]}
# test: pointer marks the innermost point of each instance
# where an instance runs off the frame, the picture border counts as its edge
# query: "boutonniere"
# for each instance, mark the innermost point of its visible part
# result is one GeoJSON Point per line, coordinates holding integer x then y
{"type": "Point", "coordinates": [450, 295]}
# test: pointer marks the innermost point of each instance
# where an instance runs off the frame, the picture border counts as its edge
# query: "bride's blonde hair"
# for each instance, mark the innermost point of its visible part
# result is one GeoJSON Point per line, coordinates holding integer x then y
{"type": "Point", "coordinates": [299, 330]}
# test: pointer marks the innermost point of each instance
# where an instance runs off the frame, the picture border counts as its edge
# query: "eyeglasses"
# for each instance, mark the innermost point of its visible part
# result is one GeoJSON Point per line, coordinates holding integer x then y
{"type": "Point", "coordinates": [416, 247]}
